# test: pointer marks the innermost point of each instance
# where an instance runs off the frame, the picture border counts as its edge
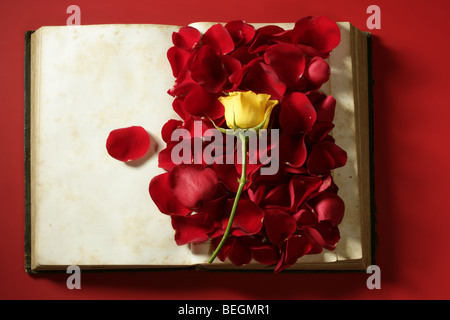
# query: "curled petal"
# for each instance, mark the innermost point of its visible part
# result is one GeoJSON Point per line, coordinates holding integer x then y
{"type": "Point", "coordinates": [319, 33]}
{"type": "Point", "coordinates": [163, 197]}
{"type": "Point", "coordinates": [218, 37]}
{"type": "Point", "coordinates": [186, 38]}
{"type": "Point", "coordinates": [287, 60]}
{"type": "Point", "coordinates": [297, 114]}
{"type": "Point", "coordinates": [193, 185]}
{"type": "Point", "coordinates": [329, 207]}
{"type": "Point", "coordinates": [317, 72]}
{"type": "Point", "coordinates": [128, 144]}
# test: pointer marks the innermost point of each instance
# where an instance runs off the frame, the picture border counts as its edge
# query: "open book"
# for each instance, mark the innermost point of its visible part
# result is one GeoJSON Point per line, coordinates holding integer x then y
{"type": "Point", "coordinates": [85, 208]}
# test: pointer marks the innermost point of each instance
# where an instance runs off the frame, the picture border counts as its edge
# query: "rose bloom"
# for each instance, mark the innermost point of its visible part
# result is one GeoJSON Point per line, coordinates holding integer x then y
{"type": "Point", "coordinates": [247, 109]}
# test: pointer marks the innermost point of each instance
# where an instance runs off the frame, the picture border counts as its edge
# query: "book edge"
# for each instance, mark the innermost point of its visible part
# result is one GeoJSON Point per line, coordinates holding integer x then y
{"type": "Point", "coordinates": [355, 265]}
{"type": "Point", "coordinates": [363, 81]}
{"type": "Point", "coordinates": [27, 147]}
{"type": "Point", "coordinates": [373, 207]}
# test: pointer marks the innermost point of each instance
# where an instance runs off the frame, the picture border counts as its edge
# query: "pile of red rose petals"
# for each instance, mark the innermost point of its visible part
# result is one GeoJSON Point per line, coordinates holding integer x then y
{"type": "Point", "coordinates": [279, 217]}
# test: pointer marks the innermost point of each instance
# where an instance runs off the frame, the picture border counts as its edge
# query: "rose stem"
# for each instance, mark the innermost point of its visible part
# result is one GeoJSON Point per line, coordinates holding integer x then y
{"type": "Point", "coordinates": [242, 182]}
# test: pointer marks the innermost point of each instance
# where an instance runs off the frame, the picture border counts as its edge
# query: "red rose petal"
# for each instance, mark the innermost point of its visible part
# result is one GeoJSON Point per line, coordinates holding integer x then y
{"type": "Point", "coordinates": [297, 114]}
{"type": "Point", "coordinates": [243, 56]}
{"type": "Point", "coordinates": [168, 128]}
{"type": "Point", "coordinates": [208, 70]}
{"type": "Point", "coordinates": [324, 157]}
{"type": "Point", "coordinates": [223, 253]}
{"type": "Point", "coordinates": [278, 224]}
{"type": "Point", "coordinates": [264, 38]}
{"type": "Point", "coordinates": [191, 229]}
{"type": "Point", "coordinates": [324, 234]}
{"type": "Point", "coordinates": [178, 107]}
{"type": "Point", "coordinates": [127, 144]}
{"type": "Point", "coordinates": [193, 185]}
{"type": "Point", "coordinates": [265, 253]}
{"type": "Point", "coordinates": [241, 32]}
{"type": "Point", "coordinates": [320, 131]}
{"type": "Point", "coordinates": [317, 72]}
{"type": "Point", "coordinates": [325, 106]}
{"type": "Point", "coordinates": [201, 103]}
{"type": "Point", "coordinates": [247, 220]}
{"type": "Point", "coordinates": [296, 247]}
{"type": "Point", "coordinates": [329, 207]}
{"type": "Point", "coordinates": [261, 78]}
{"type": "Point", "coordinates": [227, 175]}
{"type": "Point", "coordinates": [231, 65]}
{"type": "Point", "coordinates": [287, 60]}
{"type": "Point", "coordinates": [292, 149]}
{"type": "Point", "coordinates": [305, 217]}
{"type": "Point", "coordinates": [279, 195]}
{"type": "Point", "coordinates": [183, 83]}
{"type": "Point", "coordinates": [163, 197]}
{"type": "Point", "coordinates": [300, 188]}
{"type": "Point", "coordinates": [317, 32]}
{"type": "Point", "coordinates": [178, 59]}
{"type": "Point", "coordinates": [186, 38]}
{"type": "Point", "coordinates": [218, 37]}
{"type": "Point", "coordinates": [239, 253]}
{"type": "Point", "coordinates": [165, 158]}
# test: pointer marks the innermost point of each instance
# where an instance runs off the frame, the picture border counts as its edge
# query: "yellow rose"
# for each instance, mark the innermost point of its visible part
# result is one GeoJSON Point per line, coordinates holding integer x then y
{"type": "Point", "coordinates": [247, 110]}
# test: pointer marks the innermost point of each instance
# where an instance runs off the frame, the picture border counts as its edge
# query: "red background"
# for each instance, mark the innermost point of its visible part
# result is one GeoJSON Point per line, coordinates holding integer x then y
{"type": "Point", "coordinates": [412, 153]}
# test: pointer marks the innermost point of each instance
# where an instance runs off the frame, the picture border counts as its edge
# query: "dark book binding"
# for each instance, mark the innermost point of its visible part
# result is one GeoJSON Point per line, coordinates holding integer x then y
{"type": "Point", "coordinates": [27, 179]}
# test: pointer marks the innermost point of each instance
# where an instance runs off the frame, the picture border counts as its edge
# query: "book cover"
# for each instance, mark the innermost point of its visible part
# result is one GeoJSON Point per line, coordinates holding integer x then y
{"type": "Point", "coordinates": [87, 209]}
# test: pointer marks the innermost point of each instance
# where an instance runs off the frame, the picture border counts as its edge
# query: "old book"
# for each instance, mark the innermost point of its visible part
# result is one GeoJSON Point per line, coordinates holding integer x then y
{"type": "Point", "coordinates": [85, 208]}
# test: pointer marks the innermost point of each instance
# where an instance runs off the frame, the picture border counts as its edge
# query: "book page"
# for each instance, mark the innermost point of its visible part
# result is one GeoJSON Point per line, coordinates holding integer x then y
{"type": "Point", "coordinates": [88, 208]}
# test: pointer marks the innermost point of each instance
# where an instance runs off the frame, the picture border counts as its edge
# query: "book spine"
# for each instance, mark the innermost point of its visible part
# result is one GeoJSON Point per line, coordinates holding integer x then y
{"type": "Point", "coordinates": [27, 136]}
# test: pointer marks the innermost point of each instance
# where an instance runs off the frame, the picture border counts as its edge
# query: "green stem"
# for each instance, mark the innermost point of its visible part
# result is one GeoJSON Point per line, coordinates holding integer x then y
{"type": "Point", "coordinates": [242, 182]}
